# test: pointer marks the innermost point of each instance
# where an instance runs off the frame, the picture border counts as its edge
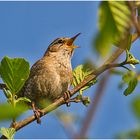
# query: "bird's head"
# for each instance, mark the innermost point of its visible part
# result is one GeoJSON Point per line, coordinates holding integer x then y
{"type": "Point", "coordinates": [63, 45]}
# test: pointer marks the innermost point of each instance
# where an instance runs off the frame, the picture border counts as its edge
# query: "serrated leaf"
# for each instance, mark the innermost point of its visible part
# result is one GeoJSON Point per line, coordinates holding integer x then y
{"type": "Point", "coordinates": [81, 72]}
{"type": "Point", "coordinates": [131, 86]}
{"type": "Point", "coordinates": [8, 132]}
{"type": "Point", "coordinates": [114, 20]}
{"type": "Point", "coordinates": [14, 73]}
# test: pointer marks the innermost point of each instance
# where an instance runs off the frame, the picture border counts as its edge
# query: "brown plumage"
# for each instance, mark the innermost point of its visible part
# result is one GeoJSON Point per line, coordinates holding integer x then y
{"type": "Point", "coordinates": [51, 76]}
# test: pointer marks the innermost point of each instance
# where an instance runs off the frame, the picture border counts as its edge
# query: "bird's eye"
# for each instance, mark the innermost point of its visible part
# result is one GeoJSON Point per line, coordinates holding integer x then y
{"type": "Point", "coordinates": [60, 41]}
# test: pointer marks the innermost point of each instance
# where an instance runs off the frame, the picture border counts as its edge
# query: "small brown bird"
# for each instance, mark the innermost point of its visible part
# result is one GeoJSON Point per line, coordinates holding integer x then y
{"type": "Point", "coordinates": [51, 76]}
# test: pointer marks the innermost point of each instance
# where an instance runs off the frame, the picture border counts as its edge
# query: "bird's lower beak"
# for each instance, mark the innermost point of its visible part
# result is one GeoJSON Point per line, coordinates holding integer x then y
{"type": "Point", "coordinates": [71, 40]}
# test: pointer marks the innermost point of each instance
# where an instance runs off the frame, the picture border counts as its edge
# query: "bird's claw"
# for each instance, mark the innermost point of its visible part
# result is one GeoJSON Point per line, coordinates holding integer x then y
{"type": "Point", "coordinates": [67, 98]}
{"type": "Point", "coordinates": [37, 113]}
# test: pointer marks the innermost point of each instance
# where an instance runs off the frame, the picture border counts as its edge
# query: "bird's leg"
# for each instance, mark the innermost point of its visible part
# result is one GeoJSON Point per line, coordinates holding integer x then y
{"type": "Point", "coordinates": [37, 112]}
{"type": "Point", "coordinates": [67, 98]}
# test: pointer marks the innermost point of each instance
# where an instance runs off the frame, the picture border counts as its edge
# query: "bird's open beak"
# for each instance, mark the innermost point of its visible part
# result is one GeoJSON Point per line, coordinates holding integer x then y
{"type": "Point", "coordinates": [71, 40]}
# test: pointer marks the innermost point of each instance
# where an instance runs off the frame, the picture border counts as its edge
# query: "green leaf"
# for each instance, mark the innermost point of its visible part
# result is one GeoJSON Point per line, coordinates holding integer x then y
{"type": "Point", "coordinates": [81, 72]}
{"type": "Point", "coordinates": [86, 101]}
{"type": "Point", "coordinates": [7, 93]}
{"type": "Point", "coordinates": [8, 132]}
{"type": "Point", "coordinates": [9, 112]}
{"type": "Point", "coordinates": [136, 106]}
{"type": "Point", "coordinates": [114, 20]}
{"type": "Point", "coordinates": [125, 42]}
{"type": "Point", "coordinates": [131, 59]}
{"type": "Point", "coordinates": [131, 86]}
{"type": "Point", "coordinates": [23, 99]}
{"type": "Point", "coordinates": [131, 134]}
{"type": "Point", "coordinates": [128, 76]}
{"type": "Point", "coordinates": [131, 80]}
{"type": "Point", "coordinates": [14, 73]}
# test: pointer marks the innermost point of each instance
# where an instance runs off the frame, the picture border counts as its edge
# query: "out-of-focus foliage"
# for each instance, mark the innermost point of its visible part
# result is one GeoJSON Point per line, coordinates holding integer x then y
{"type": "Point", "coordinates": [136, 107]}
{"type": "Point", "coordinates": [133, 134]}
{"type": "Point", "coordinates": [8, 132]}
{"type": "Point", "coordinates": [81, 72]}
{"type": "Point", "coordinates": [66, 117]}
{"type": "Point", "coordinates": [114, 20]}
{"type": "Point", "coordinates": [14, 73]}
{"type": "Point", "coordinates": [130, 79]}
{"type": "Point", "coordinates": [9, 112]}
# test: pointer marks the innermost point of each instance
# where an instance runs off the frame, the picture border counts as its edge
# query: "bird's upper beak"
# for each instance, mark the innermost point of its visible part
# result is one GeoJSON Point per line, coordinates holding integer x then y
{"type": "Point", "coordinates": [71, 40]}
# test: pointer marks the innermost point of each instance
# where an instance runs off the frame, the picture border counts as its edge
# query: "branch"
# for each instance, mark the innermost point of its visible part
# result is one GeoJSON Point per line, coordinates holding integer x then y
{"type": "Point", "coordinates": [61, 101]}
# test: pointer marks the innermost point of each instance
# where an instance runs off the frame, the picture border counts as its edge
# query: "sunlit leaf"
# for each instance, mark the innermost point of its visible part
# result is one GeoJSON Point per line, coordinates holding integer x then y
{"type": "Point", "coordinates": [81, 72]}
{"type": "Point", "coordinates": [134, 36]}
{"type": "Point", "coordinates": [114, 21]}
{"type": "Point", "coordinates": [125, 42]}
{"type": "Point", "coordinates": [14, 73]}
{"type": "Point", "coordinates": [8, 132]}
